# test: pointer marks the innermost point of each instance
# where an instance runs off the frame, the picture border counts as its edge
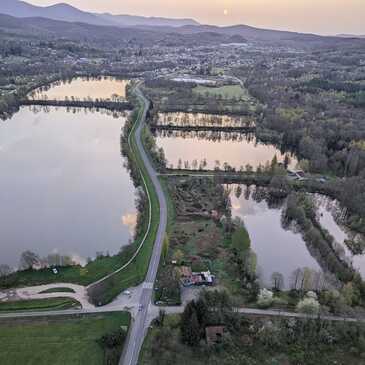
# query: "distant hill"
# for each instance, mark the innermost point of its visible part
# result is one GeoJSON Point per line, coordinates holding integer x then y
{"type": "Point", "coordinates": [134, 20]}
{"type": "Point", "coordinates": [350, 36]}
{"type": "Point", "coordinates": [105, 36]}
{"type": "Point", "coordinates": [65, 12]}
{"type": "Point", "coordinates": [251, 33]}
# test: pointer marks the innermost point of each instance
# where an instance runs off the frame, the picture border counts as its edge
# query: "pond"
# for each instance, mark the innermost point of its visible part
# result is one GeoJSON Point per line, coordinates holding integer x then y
{"type": "Point", "coordinates": [215, 149]}
{"type": "Point", "coordinates": [63, 187]}
{"type": "Point", "coordinates": [182, 119]}
{"type": "Point", "coordinates": [277, 249]}
{"type": "Point", "coordinates": [82, 88]}
{"type": "Point", "coordinates": [329, 213]}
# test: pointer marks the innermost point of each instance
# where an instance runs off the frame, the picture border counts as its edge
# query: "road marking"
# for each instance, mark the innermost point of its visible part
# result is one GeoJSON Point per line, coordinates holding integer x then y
{"type": "Point", "coordinates": [147, 286]}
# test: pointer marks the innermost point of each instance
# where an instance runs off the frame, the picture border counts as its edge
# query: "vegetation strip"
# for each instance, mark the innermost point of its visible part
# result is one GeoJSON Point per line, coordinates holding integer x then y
{"type": "Point", "coordinates": [39, 305]}
{"type": "Point", "coordinates": [149, 215]}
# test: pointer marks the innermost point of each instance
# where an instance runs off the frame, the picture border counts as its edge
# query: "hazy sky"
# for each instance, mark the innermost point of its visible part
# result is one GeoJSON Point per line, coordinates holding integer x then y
{"type": "Point", "coordinates": [317, 16]}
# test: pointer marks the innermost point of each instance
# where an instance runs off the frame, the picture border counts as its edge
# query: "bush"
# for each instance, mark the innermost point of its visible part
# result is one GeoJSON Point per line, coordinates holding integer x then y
{"type": "Point", "coordinates": [308, 306]}
{"type": "Point", "coordinates": [265, 298]}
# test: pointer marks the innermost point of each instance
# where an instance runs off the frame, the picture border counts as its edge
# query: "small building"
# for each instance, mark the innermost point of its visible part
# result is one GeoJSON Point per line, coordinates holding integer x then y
{"type": "Point", "coordinates": [196, 278]}
{"type": "Point", "coordinates": [214, 334]}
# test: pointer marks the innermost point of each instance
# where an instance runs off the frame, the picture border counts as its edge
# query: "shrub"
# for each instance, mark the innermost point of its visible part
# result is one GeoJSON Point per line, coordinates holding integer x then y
{"type": "Point", "coordinates": [265, 298]}
{"type": "Point", "coordinates": [308, 306]}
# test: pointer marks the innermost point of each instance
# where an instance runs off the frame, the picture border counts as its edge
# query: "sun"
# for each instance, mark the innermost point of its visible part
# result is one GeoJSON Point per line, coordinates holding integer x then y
{"type": "Point", "coordinates": [225, 12]}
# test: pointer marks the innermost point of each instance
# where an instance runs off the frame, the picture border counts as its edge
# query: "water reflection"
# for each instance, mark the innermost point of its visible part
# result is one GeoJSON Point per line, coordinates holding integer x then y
{"type": "Point", "coordinates": [217, 150]}
{"type": "Point", "coordinates": [182, 119]}
{"type": "Point", "coordinates": [277, 249]}
{"type": "Point", "coordinates": [130, 220]}
{"type": "Point", "coordinates": [63, 187]}
{"type": "Point", "coordinates": [330, 216]}
{"type": "Point", "coordinates": [83, 88]}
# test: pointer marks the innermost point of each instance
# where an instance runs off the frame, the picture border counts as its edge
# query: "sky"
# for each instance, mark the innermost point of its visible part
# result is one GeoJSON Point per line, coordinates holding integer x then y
{"type": "Point", "coordinates": [311, 16]}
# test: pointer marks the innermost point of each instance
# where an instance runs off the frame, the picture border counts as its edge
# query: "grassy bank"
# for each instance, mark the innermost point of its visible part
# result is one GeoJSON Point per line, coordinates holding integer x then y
{"type": "Point", "coordinates": [135, 273]}
{"type": "Point", "coordinates": [60, 340]}
{"type": "Point", "coordinates": [92, 272]}
{"type": "Point", "coordinates": [40, 305]}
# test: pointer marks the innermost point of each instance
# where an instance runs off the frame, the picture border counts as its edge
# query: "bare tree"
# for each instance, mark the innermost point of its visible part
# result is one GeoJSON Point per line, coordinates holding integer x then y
{"type": "Point", "coordinates": [277, 281]}
{"type": "Point", "coordinates": [5, 270]}
{"type": "Point", "coordinates": [296, 278]}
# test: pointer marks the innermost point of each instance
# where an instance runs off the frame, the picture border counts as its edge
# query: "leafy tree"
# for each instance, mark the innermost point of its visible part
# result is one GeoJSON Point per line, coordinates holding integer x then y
{"type": "Point", "coordinates": [274, 164]}
{"type": "Point", "coordinates": [165, 248]}
{"type": "Point", "coordinates": [178, 256]}
{"type": "Point", "coordinates": [241, 242]}
{"type": "Point", "coordinates": [190, 329]}
{"type": "Point", "coordinates": [28, 259]}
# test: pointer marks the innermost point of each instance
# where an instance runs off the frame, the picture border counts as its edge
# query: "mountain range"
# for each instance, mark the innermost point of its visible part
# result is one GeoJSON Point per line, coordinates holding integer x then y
{"type": "Point", "coordinates": [65, 21]}
{"type": "Point", "coordinates": [66, 12]}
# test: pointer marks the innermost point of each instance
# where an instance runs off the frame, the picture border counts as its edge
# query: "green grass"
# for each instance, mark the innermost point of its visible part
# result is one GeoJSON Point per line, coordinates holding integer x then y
{"type": "Point", "coordinates": [57, 340]}
{"type": "Point", "coordinates": [136, 272]}
{"type": "Point", "coordinates": [39, 305]}
{"type": "Point", "coordinates": [226, 92]}
{"type": "Point", "coordinates": [92, 272]}
{"type": "Point", "coordinates": [57, 290]}
{"type": "Point", "coordinates": [171, 213]}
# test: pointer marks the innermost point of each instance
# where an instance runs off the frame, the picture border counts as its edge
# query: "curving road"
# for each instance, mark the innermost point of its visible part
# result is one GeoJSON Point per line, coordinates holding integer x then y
{"type": "Point", "coordinates": [140, 322]}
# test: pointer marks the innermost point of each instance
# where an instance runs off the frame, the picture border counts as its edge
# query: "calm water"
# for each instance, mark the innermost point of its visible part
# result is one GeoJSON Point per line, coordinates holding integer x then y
{"type": "Point", "coordinates": [217, 148]}
{"type": "Point", "coordinates": [202, 120]}
{"type": "Point", "coordinates": [107, 88]}
{"type": "Point", "coordinates": [328, 209]}
{"type": "Point", "coordinates": [63, 187]}
{"type": "Point", "coordinates": [277, 249]}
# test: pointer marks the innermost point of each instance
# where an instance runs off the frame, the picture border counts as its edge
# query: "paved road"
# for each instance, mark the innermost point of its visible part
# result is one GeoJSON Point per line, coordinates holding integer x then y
{"type": "Point", "coordinates": [140, 323]}
{"type": "Point", "coordinates": [153, 312]}
{"type": "Point", "coordinates": [267, 313]}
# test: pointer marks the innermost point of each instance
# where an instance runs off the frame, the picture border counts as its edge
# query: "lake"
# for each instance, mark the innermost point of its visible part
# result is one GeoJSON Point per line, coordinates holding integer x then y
{"type": "Point", "coordinates": [329, 211]}
{"type": "Point", "coordinates": [216, 148]}
{"type": "Point", "coordinates": [277, 249]}
{"type": "Point", "coordinates": [63, 186]}
{"type": "Point", "coordinates": [106, 88]}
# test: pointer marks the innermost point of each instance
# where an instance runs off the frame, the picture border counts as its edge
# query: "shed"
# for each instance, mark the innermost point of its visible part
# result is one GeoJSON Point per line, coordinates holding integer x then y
{"type": "Point", "coordinates": [214, 334]}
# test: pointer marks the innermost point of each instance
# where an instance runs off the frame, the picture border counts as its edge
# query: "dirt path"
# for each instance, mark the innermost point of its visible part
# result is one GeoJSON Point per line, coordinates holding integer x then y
{"type": "Point", "coordinates": [34, 292]}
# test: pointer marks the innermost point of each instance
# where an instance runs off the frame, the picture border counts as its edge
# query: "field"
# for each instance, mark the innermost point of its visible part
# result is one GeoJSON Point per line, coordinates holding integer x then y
{"type": "Point", "coordinates": [57, 340]}
{"type": "Point", "coordinates": [226, 92]}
